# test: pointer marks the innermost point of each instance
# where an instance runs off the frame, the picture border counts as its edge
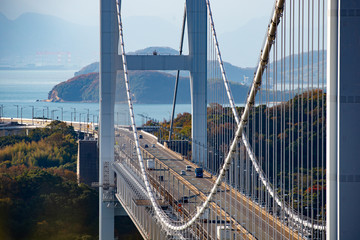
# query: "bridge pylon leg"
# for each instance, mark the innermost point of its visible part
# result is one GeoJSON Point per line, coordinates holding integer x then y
{"type": "Point", "coordinates": [108, 67]}
{"type": "Point", "coordinates": [343, 118]}
{"type": "Point", "coordinates": [197, 38]}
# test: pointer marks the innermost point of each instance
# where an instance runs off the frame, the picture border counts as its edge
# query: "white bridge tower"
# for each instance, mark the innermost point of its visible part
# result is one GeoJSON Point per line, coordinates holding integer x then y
{"type": "Point", "coordinates": [110, 62]}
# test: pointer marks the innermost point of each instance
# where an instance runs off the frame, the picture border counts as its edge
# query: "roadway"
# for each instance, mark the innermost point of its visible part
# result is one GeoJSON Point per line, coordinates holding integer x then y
{"type": "Point", "coordinates": [242, 213]}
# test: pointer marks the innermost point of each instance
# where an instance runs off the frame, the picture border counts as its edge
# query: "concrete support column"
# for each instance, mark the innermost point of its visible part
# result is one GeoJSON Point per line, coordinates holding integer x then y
{"type": "Point", "coordinates": [108, 66]}
{"type": "Point", "coordinates": [197, 34]}
{"type": "Point", "coordinates": [331, 121]}
{"type": "Point", "coordinates": [343, 118]}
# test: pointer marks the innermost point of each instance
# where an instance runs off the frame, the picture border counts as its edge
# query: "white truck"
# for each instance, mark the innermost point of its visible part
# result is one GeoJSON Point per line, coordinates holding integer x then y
{"type": "Point", "coordinates": [225, 233]}
{"type": "Point", "coordinates": [150, 164]}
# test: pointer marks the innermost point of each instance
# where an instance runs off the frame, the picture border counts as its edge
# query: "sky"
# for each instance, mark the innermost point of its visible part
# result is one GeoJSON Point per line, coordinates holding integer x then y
{"type": "Point", "coordinates": [229, 16]}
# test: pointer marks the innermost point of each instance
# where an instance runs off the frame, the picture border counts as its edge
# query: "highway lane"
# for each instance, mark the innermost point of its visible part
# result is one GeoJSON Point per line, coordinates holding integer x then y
{"type": "Point", "coordinates": [241, 209]}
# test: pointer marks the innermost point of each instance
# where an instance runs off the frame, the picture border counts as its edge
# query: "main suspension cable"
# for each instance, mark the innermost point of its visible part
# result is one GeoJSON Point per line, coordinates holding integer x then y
{"type": "Point", "coordinates": [164, 219]}
{"type": "Point", "coordinates": [161, 215]}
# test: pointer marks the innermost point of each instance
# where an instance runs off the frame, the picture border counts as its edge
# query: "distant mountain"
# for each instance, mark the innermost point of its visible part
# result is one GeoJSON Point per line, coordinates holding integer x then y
{"type": "Point", "coordinates": [46, 40]}
{"type": "Point", "coordinates": [159, 50]}
{"type": "Point", "coordinates": [158, 86]}
{"type": "Point", "coordinates": [245, 75]}
{"type": "Point", "coordinates": [234, 73]}
{"type": "Point", "coordinates": [309, 67]}
{"type": "Point", "coordinates": [91, 68]}
{"type": "Point", "coordinates": [242, 46]}
{"type": "Point", "coordinates": [37, 40]}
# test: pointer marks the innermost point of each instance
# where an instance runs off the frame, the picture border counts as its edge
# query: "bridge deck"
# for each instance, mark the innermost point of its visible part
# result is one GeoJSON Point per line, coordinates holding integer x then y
{"type": "Point", "coordinates": [240, 212]}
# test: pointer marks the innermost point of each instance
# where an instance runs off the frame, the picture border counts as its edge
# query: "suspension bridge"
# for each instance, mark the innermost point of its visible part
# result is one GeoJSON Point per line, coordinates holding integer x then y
{"type": "Point", "coordinates": [282, 164]}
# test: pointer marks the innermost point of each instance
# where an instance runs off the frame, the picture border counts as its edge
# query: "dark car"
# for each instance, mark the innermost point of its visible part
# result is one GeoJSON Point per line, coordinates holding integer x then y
{"type": "Point", "coordinates": [199, 172]}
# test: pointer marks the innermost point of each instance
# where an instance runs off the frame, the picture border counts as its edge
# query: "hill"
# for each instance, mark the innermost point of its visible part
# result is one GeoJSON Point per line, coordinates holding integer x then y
{"type": "Point", "coordinates": [152, 87]}
{"type": "Point", "coordinates": [234, 73]}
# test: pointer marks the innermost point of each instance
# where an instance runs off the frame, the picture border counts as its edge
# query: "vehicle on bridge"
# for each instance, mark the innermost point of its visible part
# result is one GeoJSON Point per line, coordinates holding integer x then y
{"type": "Point", "coordinates": [199, 172]}
{"type": "Point", "coordinates": [150, 164]}
{"type": "Point", "coordinates": [225, 232]}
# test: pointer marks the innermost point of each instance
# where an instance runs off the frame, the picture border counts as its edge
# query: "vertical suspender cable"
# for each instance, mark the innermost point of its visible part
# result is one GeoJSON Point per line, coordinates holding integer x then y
{"type": "Point", "coordinates": [250, 102]}
{"type": "Point", "coordinates": [239, 132]}
{"type": "Point", "coordinates": [177, 74]}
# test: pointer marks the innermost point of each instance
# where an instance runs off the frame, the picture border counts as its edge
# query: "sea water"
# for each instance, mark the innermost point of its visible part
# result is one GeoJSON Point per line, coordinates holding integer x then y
{"type": "Point", "coordinates": [21, 92]}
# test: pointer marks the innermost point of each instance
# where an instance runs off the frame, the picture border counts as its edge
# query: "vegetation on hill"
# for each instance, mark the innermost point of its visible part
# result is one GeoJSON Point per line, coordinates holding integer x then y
{"type": "Point", "coordinates": [39, 194]}
{"type": "Point", "coordinates": [80, 88]}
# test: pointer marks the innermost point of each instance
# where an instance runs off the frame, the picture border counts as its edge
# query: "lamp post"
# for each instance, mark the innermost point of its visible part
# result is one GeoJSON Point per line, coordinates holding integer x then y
{"type": "Point", "coordinates": [74, 113]}
{"type": "Point", "coordinates": [87, 116]}
{"type": "Point", "coordinates": [87, 121]}
{"type": "Point", "coordinates": [80, 121]}
{"type": "Point", "coordinates": [36, 114]}
{"type": "Point", "coordinates": [52, 113]}
{"type": "Point", "coordinates": [47, 114]}
{"type": "Point", "coordinates": [117, 118]}
{"type": "Point", "coordinates": [21, 108]}
{"type": "Point", "coordinates": [1, 111]}
{"type": "Point", "coordinates": [62, 113]}
{"type": "Point", "coordinates": [91, 123]}
{"type": "Point", "coordinates": [17, 111]}
{"type": "Point", "coordinates": [32, 114]}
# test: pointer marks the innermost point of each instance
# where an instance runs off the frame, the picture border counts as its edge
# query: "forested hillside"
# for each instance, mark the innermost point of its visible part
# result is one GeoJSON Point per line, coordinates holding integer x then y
{"type": "Point", "coordinates": [39, 194]}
